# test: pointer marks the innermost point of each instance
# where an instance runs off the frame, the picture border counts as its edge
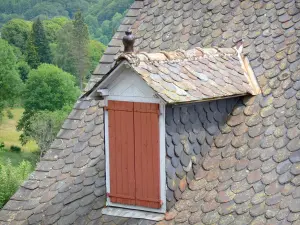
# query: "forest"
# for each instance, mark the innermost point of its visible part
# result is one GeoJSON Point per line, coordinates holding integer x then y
{"type": "Point", "coordinates": [48, 51]}
{"type": "Point", "coordinates": [101, 16]}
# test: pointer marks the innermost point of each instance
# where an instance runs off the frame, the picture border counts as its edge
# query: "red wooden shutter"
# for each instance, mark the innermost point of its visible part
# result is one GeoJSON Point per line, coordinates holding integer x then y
{"type": "Point", "coordinates": [134, 153]}
{"type": "Point", "coordinates": [146, 128]}
{"type": "Point", "coordinates": [121, 152]}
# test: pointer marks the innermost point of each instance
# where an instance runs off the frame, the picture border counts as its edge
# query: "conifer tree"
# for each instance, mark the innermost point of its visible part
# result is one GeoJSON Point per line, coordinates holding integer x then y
{"type": "Point", "coordinates": [41, 42]}
{"type": "Point", "coordinates": [80, 50]}
{"type": "Point", "coordinates": [32, 57]}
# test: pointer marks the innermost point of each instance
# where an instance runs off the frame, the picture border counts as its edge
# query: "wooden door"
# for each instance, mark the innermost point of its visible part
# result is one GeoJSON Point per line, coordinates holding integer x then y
{"type": "Point", "coordinates": [134, 153]}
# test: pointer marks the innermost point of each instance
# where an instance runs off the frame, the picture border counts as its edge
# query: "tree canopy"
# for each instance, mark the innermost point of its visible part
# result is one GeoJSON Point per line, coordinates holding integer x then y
{"type": "Point", "coordinates": [10, 83]}
{"type": "Point", "coordinates": [80, 40]}
{"type": "Point", "coordinates": [49, 88]}
{"type": "Point", "coordinates": [16, 32]}
{"type": "Point", "coordinates": [41, 42]}
{"type": "Point", "coordinates": [101, 16]}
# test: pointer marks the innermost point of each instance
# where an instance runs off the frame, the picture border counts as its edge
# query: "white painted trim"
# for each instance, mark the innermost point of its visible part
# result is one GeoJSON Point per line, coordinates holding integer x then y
{"type": "Point", "coordinates": [162, 152]}
{"type": "Point", "coordinates": [133, 99]}
{"type": "Point", "coordinates": [130, 213]}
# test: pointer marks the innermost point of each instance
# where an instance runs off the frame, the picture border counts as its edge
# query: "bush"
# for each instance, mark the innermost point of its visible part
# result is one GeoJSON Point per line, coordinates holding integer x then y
{"type": "Point", "coordinates": [11, 178]}
{"type": "Point", "coordinates": [14, 148]}
{"type": "Point", "coordinates": [44, 126]}
{"type": "Point", "coordinates": [2, 147]}
{"type": "Point", "coordinates": [9, 114]}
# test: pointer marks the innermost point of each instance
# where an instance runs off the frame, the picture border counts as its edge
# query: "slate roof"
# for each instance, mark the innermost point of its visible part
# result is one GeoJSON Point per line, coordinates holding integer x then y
{"type": "Point", "coordinates": [251, 172]}
{"type": "Point", "coordinates": [194, 75]}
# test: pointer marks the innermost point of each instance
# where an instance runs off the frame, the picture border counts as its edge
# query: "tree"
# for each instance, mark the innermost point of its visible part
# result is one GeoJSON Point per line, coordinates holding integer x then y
{"type": "Point", "coordinates": [53, 26]}
{"type": "Point", "coordinates": [10, 82]}
{"type": "Point", "coordinates": [32, 57]}
{"type": "Point", "coordinates": [23, 69]}
{"type": "Point", "coordinates": [62, 51]}
{"type": "Point", "coordinates": [41, 42]}
{"type": "Point", "coordinates": [80, 48]}
{"type": "Point", "coordinates": [44, 126]}
{"type": "Point", "coordinates": [96, 50]}
{"type": "Point", "coordinates": [16, 32]}
{"type": "Point", "coordinates": [48, 88]}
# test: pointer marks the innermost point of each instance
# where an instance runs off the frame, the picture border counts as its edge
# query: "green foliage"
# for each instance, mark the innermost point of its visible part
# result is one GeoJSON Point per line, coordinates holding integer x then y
{"type": "Point", "coordinates": [23, 69]}
{"type": "Point", "coordinates": [16, 149]}
{"type": "Point", "coordinates": [41, 42]}
{"type": "Point", "coordinates": [2, 147]}
{"type": "Point", "coordinates": [44, 126]}
{"type": "Point", "coordinates": [11, 177]}
{"type": "Point", "coordinates": [49, 88]}
{"type": "Point", "coordinates": [53, 26]}
{"type": "Point", "coordinates": [100, 15]}
{"type": "Point", "coordinates": [80, 43]}
{"type": "Point", "coordinates": [10, 83]}
{"type": "Point", "coordinates": [32, 56]}
{"type": "Point", "coordinates": [62, 51]}
{"type": "Point", "coordinates": [16, 32]}
{"type": "Point", "coordinates": [46, 9]}
{"type": "Point", "coordinates": [95, 50]}
{"type": "Point", "coordinates": [9, 114]}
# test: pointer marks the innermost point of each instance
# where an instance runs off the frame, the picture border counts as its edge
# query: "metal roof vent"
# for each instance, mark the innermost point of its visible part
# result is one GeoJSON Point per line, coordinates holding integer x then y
{"type": "Point", "coordinates": [128, 41]}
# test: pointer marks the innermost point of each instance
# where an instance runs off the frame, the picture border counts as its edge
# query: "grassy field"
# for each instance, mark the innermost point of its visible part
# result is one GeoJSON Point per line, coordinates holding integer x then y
{"type": "Point", "coordinates": [10, 136]}
{"type": "Point", "coordinates": [16, 158]}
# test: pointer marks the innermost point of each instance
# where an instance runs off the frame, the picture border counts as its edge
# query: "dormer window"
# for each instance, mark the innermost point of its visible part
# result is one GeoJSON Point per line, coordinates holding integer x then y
{"type": "Point", "coordinates": [144, 170]}
{"type": "Point", "coordinates": [134, 154]}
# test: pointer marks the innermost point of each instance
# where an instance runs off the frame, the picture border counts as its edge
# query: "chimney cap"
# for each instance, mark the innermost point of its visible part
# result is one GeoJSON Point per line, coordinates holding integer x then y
{"type": "Point", "coordinates": [128, 41]}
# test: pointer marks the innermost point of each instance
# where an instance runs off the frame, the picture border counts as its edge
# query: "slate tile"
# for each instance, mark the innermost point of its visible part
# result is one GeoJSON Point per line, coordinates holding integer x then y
{"type": "Point", "coordinates": [258, 210]}
{"type": "Point", "coordinates": [182, 216]}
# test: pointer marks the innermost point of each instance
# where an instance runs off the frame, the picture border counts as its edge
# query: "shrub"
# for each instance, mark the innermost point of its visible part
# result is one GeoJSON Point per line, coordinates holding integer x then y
{"type": "Point", "coordinates": [10, 179]}
{"type": "Point", "coordinates": [2, 147]}
{"type": "Point", "coordinates": [14, 148]}
{"type": "Point", "coordinates": [44, 126]}
{"type": "Point", "coordinates": [9, 114]}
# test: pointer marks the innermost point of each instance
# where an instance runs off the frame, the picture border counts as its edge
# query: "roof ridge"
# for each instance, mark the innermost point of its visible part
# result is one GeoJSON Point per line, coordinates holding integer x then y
{"type": "Point", "coordinates": [173, 56]}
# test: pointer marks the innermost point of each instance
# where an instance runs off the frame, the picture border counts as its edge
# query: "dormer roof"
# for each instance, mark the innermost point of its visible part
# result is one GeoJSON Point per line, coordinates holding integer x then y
{"type": "Point", "coordinates": [195, 75]}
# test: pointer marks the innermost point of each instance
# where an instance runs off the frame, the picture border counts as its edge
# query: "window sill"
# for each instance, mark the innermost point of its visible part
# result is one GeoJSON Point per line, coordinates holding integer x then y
{"type": "Point", "coordinates": [131, 213]}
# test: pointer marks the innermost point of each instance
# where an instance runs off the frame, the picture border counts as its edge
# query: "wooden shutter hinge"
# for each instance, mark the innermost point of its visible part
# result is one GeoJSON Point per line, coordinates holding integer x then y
{"type": "Point", "coordinates": [105, 108]}
{"type": "Point", "coordinates": [107, 194]}
{"type": "Point", "coordinates": [161, 203]}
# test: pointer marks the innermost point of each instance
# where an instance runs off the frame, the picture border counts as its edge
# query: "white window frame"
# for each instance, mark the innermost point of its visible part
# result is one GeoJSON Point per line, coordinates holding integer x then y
{"type": "Point", "coordinates": [161, 146]}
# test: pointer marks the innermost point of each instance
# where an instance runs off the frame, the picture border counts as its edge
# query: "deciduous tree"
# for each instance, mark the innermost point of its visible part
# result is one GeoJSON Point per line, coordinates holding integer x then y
{"type": "Point", "coordinates": [16, 32]}
{"type": "Point", "coordinates": [48, 88]}
{"type": "Point", "coordinates": [10, 82]}
{"type": "Point", "coordinates": [62, 51]}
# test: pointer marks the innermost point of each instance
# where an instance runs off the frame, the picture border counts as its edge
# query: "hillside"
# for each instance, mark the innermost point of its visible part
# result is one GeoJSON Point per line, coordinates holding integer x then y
{"type": "Point", "coordinates": [102, 16]}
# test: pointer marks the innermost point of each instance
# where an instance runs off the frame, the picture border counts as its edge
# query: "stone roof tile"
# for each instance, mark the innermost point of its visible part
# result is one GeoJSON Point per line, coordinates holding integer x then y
{"type": "Point", "coordinates": [270, 31]}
